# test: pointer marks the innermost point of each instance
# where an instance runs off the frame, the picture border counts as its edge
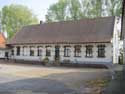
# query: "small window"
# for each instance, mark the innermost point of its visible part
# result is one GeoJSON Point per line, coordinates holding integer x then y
{"type": "Point", "coordinates": [32, 51]}
{"type": "Point", "coordinates": [24, 51]}
{"type": "Point", "coordinates": [18, 51]}
{"type": "Point", "coordinates": [12, 52]}
{"type": "Point", "coordinates": [101, 50]}
{"type": "Point", "coordinates": [77, 51]}
{"type": "Point", "coordinates": [48, 51]}
{"type": "Point", "coordinates": [67, 51]}
{"type": "Point", "coordinates": [39, 51]}
{"type": "Point", "coordinates": [89, 51]}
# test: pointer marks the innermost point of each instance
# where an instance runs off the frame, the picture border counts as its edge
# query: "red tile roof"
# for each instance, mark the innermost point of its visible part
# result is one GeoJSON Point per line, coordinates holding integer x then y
{"type": "Point", "coordinates": [81, 31]}
{"type": "Point", "coordinates": [2, 41]}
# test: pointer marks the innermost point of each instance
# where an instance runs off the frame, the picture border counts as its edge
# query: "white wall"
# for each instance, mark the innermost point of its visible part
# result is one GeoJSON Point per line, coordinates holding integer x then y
{"type": "Point", "coordinates": [82, 59]}
{"type": "Point", "coordinates": [2, 53]}
{"type": "Point", "coordinates": [116, 40]}
{"type": "Point", "coordinates": [95, 58]}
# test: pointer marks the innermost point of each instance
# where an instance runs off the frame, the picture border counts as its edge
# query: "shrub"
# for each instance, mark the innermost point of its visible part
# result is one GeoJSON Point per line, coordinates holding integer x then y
{"type": "Point", "coordinates": [45, 61]}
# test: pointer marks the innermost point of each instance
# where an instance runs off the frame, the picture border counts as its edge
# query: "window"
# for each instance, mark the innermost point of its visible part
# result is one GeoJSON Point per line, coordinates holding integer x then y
{"type": "Point", "coordinates": [39, 51]}
{"type": "Point", "coordinates": [89, 51]}
{"type": "Point", "coordinates": [18, 51]}
{"type": "Point", "coordinates": [77, 51]}
{"type": "Point", "coordinates": [101, 50]}
{"type": "Point", "coordinates": [12, 52]}
{"type": "Point", "coordinates": [67, 51]}
{"type": "Point", "coordinates": [32, 52]}
{"type": "Point", "coordinates": [24, 51]}
{"type": "Point", "coordinates": [48, 50]}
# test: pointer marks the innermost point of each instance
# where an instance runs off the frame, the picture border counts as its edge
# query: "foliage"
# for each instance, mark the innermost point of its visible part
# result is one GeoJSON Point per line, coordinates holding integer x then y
{"type": "Point", "coordinates": [16, 16]}
{"type": "Point", "coordinates": [57, 11]}
{"type": "Point", "coordinates": [78, 9]}
{"type": "Point", "coordinates": [46, 60]}
{"type": "Point", "coordinates": [74, 9]}
{"type": "Point", "coordinates": [115, 8]}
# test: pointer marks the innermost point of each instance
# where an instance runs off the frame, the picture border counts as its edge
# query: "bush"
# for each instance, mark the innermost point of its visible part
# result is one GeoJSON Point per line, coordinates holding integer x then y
{"type": "Point", "coordinates": [45, 61]}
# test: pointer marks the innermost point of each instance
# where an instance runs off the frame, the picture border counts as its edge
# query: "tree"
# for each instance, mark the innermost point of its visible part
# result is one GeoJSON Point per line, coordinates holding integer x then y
{"type": "Point", "coordinates": [57, 11]}
{"type": "Point", "coordinates": [74, 9]}
{"type": "Point", "coordinates": [16, 16]}
{"type": "Point", "coordinates": [113, 7]}
{"type": "Point", "coordinates": [78, 9]}
{"type": "Point", "coordinates": [63, 10]}
{"type": "Point", "coordinates": [92, 8]}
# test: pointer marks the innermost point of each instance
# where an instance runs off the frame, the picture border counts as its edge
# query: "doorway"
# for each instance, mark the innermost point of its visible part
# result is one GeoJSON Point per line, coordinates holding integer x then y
{"type": "Point", "coordinates": [57, 52]}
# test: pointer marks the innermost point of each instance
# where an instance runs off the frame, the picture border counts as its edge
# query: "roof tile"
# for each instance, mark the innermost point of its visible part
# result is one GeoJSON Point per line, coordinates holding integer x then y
{"type": "Point", "coordinates": [81, 31]}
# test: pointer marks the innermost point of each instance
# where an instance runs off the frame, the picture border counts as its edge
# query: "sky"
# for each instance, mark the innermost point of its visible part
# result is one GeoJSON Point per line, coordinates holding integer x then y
{"type": "Point", "coordinates": [38, 7]}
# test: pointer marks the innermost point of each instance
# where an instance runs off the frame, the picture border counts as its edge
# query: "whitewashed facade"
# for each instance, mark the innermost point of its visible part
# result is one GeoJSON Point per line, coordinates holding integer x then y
{"type": "Point", "coordinates": [2, 53]}
{"type": "Point", "coordinates": [25, 53]}
{"type": "Point", "coordinates": [116, 40]}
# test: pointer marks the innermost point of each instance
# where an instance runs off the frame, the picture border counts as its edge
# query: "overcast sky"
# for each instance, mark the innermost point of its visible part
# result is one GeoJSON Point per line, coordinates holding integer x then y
{"type": "Point", "coordinates": [39, 7]}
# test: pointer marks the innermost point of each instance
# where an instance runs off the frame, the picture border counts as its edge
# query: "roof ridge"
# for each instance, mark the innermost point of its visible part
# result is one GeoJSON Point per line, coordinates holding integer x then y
{"type": "Point", "coordinates": [66, 21]}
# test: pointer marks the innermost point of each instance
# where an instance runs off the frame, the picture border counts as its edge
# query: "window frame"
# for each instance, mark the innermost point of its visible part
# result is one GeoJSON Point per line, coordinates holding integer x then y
{"type": "Point", "coordinates": [77, 50]}
{"type": "Point", "coordinates": [18, 50]}
{"type": "Point", "coordinates": [101, 51]}
{"type": "Point", "coordinates": [89, 51]}
{"type": "Point", "coordinates": [24, 50]}
{"type": "Point", "coordinates": [12, 52]}
{"type": "Point", "coordinates": [48, 51]}
{"type": "Point", "coordinates": [67, 51]}
{"type": "Point", "coordinates": [32, 51]}
{"type": "Point", "coordinates": [39, 51]}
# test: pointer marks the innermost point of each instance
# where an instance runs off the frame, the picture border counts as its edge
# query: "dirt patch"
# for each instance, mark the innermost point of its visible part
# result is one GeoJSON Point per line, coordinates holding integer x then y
{"type": "Point", "coordinates": [38, 73]}
{"type": "Point", "coordinates": [96, 86]}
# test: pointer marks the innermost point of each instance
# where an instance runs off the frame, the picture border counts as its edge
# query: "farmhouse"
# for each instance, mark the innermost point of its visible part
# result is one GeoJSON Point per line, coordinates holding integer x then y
{"type": "Point", "coordinates": [83, 41]}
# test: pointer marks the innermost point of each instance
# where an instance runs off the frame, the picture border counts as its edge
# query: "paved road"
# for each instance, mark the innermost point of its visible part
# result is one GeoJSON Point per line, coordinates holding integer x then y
{"type": "Point", "coordinates": [64, 82]}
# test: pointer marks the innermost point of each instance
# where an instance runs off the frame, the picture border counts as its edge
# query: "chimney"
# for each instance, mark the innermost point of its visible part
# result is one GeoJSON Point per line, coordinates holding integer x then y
{"type": "Point", "coordinates": [41, 21]}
